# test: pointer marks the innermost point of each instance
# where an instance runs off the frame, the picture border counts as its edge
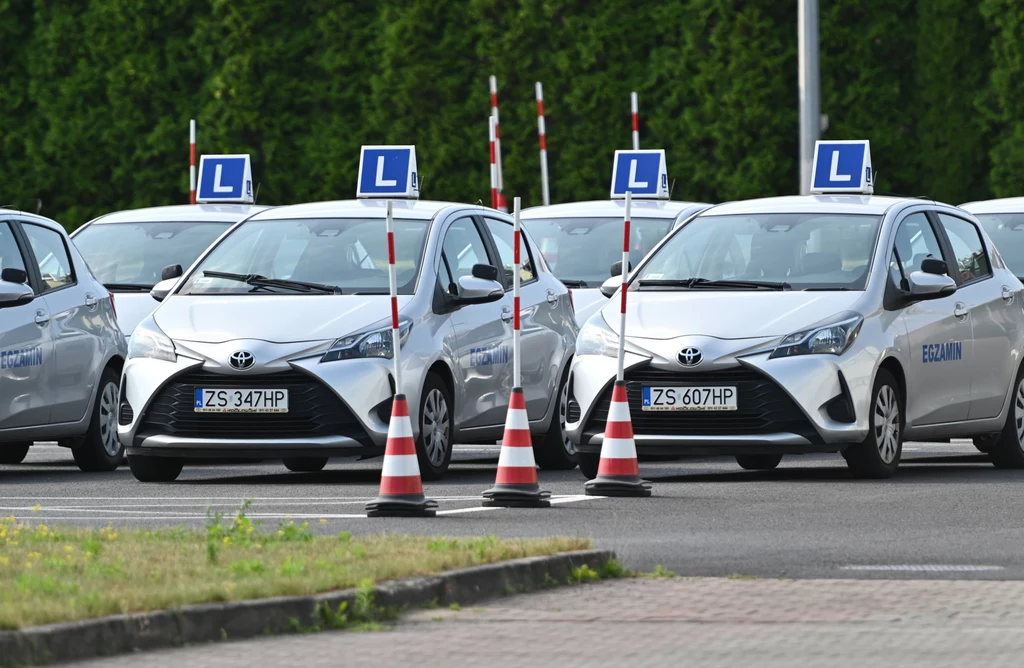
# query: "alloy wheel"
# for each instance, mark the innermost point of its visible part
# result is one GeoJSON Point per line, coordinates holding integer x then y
{"type": "Point", "coordinates": [108, 420]}
{"type": "Point", "coordinates": [563, 410]}
{"type": "Point", "coordinates": [436, 427]}
{"type": "Point", "coordinates": [887, 424]}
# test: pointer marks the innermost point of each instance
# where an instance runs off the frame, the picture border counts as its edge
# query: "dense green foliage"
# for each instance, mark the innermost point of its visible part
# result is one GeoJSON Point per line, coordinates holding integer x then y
{"type": "Point", "coordinates": [95, 96]}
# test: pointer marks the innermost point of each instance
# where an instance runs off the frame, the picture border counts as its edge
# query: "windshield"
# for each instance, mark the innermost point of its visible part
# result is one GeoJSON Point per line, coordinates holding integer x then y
{"type": "Point", "coordinates": [134, 254]}
{"type": "Point", "coordinates": [584, 249]}
{"type": "Point", "coordinates": [350, 254]}
{"type": "Point", "coordinates": [1007, 233]}
{"type": "Point", "coordinates": [792, 251]}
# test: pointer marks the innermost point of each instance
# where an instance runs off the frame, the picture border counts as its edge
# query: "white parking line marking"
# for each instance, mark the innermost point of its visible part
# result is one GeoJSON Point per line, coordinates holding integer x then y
{"type": "Point", "coordinates": [926, 568]}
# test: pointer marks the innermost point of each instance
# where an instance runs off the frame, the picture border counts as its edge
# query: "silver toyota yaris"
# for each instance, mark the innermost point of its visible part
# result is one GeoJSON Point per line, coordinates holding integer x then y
{"type": "Point", "coordinates": [828, 323]}
{"type": "Point", "coordinates": [277, 343]}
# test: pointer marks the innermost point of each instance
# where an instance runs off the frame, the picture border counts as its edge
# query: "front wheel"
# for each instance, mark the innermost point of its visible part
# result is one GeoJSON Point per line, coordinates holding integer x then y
{"type": "Point", "coordinates": [434, 445]}
{"type": "Point", "coordinates": [14, 453]}
{"type": "Point", "coordinates": [878, 455]}
{"type": "Point", "coordinates": [154, 469]}
{"type": "Point", "coordinates": [554, 451]}
{"type": "Point", "coordinates": [101, 450]}
{"type": "Point", "coordinates": [305, 464]}
{"type": "Point", "coordinates": [589, 463]}
{"type": "Point", "coordinates": [1007, 450]}
{"type": "Point", "coordinates": [758, 462]}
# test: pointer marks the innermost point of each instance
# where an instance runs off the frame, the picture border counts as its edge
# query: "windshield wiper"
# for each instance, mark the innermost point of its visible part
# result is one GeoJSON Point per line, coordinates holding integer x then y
{"type": "Point", "coordinates": [708, 283]}
{"type": "Point", "coordinates": [826, 289]}
{"type": "Point", "coordinates": [573, 283]}
{"type": "Point", "coordinates": [258, 281]}
{"type": "Point", "coordinates": [128, 287]}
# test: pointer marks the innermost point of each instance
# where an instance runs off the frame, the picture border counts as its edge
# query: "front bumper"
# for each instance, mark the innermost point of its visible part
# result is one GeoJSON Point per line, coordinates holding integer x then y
{"type": "Point", "coordinates": [797, 405]}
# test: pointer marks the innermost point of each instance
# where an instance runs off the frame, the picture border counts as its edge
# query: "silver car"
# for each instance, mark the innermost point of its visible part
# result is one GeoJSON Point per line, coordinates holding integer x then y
{"type": "Point", "coordinates": [829, 323]}
{"type": "Point", "coordinates": [277, 343]}
{"type": "Point", "coordinates": [131, 251]}
{"type": "Point", "coordinates": [580, 241]}
{"type": "Point", "coordinates": [1003, 219]}
{"type": "Point", "coordinates": [61, 351]}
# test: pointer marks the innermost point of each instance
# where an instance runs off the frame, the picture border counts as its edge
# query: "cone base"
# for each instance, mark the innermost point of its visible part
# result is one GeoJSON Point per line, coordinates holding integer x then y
{"type": "Point", "coordinates": [616, 486]}
{"type": "Point", "coordinates": [506, 496]}
{"type": "Point", "coordinates": [391, 507]}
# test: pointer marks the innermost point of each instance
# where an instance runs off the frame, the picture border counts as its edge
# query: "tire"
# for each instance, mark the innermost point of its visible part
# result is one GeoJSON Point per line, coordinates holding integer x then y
{"type": "Point", "coordinates": [155, 469]}
{"type": "Point", "coordinates": [305, 464]}
{"type": "Point", "coordinates": [1007, 450]}
{"type": "Point", "coordinates": [758, 462]}
{"type": "Point", "coordinates": [588, 463]}
{"type": "Point", "coordinates": [100, 450]}
{"type": "Point", "coordinates": [434, 444]}
{"type": "Point", "coordinates": [14, 453]}
{"type": "Point", "coordinates": [554, 451]}
{"type": "Point", "coordinates": [985, 443]}
{"type": "Point", "coordinates": [878, 455]}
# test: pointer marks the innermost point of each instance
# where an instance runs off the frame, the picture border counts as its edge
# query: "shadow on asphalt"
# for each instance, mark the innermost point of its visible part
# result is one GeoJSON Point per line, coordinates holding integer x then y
{"type": "Point", "coordinates": [956, 470]}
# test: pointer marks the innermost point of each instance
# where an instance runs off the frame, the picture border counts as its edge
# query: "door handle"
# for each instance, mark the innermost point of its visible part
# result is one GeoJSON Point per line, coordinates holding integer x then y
{"type": "Point", "coordinates": [960, 310]}
{"type": "Point", "coordinates": [91, 302]}
{"type": "Point", "coordinates": [506, 314]}
{"type": "Point", "coordinates": [1007, 294]}
{"type": "Point", "coordinates": [42, 318]}
{"type": "Point", "coordinates": [552, 297]}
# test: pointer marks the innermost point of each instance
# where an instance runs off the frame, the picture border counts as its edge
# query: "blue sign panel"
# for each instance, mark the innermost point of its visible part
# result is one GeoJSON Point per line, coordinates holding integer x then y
{"type": "Point", "coordinates": [387, 171]}
{"type": "Point", "coordinates": [642, 173]}
{"type": "Point", "coordinates": [225, 178]}
{"type": "Point", "coordinates": [842, 167]}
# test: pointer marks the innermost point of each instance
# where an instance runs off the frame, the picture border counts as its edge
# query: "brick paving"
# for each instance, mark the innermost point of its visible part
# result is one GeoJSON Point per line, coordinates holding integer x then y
{"type": "Point", "coordinates": [671, 622]}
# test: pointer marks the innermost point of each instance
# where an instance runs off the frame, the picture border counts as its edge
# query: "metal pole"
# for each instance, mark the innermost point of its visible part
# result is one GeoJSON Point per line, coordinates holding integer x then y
{"type": "Point", "coordinates": [625, 274]}
{"type": "Point", "coordinates": [192, 162]}
{"type": "Point", "coordinates": [634, 104]}
{"type": "Point", "coordinates": [516, 356]}
{"type": "Point", "coordinates": [542, 132]}
{"type": "Point", "coordinates": [497, 144]}
{"type": "Point", "coordinates": [494, 167]}
{"type": "Point", "coordinates": [810, 87]}
{"type": "Point", "coordinates": [396, 337]}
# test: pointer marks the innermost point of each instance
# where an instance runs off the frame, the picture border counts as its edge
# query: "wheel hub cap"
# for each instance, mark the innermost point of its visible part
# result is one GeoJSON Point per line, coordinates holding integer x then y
{"type": "Point", "coordinates": [887, 424]}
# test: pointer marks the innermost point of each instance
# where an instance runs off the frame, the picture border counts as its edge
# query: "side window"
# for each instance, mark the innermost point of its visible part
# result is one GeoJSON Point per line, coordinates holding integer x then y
{"type": "Point", "coordinates": [51, 255]}
{"type": "Point", "coordinates": [915, 242]}
{"type": "Point", "coordinates": [462, 248]}
{"type": "Point", "coordinates": [504, 239]}
{"type": "Point", "coordinates": [971, 259]}
{"type": "Point", "coordinates": [10, 254]}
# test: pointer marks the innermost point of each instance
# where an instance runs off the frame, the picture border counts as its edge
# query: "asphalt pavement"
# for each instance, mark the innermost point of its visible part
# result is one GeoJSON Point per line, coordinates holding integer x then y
{"type": "Point", "coordinates": [948, 513]}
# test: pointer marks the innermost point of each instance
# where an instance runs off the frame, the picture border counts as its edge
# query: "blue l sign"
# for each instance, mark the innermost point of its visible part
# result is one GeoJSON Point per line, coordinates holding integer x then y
{"type": "Point", "coordinates": [387, 171]}
{"type": "Point", "coordinates": [842, 167]}
{"type": "Point", "coordinates": [225, 178]}
{"type": "Point", "coordinates": [642, 173]}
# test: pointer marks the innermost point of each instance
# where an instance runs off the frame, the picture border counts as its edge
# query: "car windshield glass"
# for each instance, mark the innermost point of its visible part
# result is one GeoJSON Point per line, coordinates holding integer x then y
{"type": "Point", "coordinates": [1007, 233]}
{"type": "Point", "coordinates": [584, 249]}
{"type": "Point", "coordinates": [346, 253]}
{"type": "Point", "coordinates": [135, 253]}
{"type": "Point", "coordinates": [807, 251]}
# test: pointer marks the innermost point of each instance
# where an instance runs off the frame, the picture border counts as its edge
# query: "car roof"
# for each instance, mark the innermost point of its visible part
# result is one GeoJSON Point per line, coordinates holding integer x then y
{"type": "Point", "coordinates": [185, 213]}
{"type": "Point", "coordinates": [33, 218]}
{"type": "Point", "coordinates": [641, 208]}
{"type": "Point", "coordinates": [1002, 205]}
{"type": "Point", "coordinates": [853, 204]}
{"type": "Point", "coordinates": [364, 208]}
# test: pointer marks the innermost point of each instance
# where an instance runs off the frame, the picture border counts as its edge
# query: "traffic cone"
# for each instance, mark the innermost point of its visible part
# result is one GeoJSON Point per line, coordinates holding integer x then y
{"type": "Point", "coordinates": [401, 490]}
{"type": "Point", "coordinates": [618, 473]}
{"type": "Point", "coordinates": [516, 485]}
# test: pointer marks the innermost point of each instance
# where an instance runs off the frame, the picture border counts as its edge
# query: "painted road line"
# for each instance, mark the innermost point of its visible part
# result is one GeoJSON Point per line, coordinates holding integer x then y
{"type": "Point", "coordinates": [924, 568]}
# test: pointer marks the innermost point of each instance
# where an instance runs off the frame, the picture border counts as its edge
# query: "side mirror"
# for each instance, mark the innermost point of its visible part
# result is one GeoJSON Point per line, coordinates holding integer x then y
{"type": "Point", "coordinates": [475, 290]}
{"type": "Point", "coordinates": [485, 272]}
{"type": "Point", "coordinates": [931, 265]}
{"type": "Point", "coordinates": [171, 271]}
{"type": "Point", "coordinates": [611, 286]}
{"type": "Point", "coordinates": [616, 269]}
{"type": "Point", "coordinates": [14, 275]}
{"type": "Point", "coordinates": [162, 289]}
{"type": "Point", "coordinates": [14, 294]}
{"type": "Point", "coordinates": [930, 286]}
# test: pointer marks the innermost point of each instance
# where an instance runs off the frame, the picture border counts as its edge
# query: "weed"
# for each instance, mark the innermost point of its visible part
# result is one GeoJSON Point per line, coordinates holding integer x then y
{"type": "Point", "coordinates": [455, 607]}
{"type": "Point", "coordinates": [658, 572]}
{"type": "Point", "coordinates": [583, 574]}
{"type": "Point", "coordinates": [738, 576]}
{"type": "Point", "coordinates": [345, 536]}
{"type": "Point", "coordinates": [612, 569]}
{"type": "Point", "coordinates": [429, 605]}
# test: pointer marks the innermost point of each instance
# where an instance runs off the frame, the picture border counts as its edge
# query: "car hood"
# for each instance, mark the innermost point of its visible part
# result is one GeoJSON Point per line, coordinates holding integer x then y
{"type": "Point", "coordinates": [725, 315]}
{"type": "Point", "coordinates": [586, 302]}
{"type": "Point", "coordinates": [132, 308]}
{"type": "Point", "coordinates": [276, 318]}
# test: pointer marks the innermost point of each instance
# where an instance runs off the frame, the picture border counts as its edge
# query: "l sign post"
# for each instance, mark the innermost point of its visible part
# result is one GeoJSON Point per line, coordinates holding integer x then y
{"type": "Point", "coordinates": [225, 179]}
{"type": "Point", "coordinates": [387, 172]}
{"type": "Point", "coordinates": [640, 173]}
{"type": "Point", "coordinates": [842, 167]}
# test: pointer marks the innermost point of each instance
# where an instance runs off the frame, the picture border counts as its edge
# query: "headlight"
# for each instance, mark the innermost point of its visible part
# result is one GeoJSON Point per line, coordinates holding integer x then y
{"type": "Point", "coordinates": [149, 341]}
{"type": "Point", "coordinates": [829, 339]}
{"type": "Point", "coordinates": [374, 341]}
{"type": "Point", "coordinates": [597, 339]}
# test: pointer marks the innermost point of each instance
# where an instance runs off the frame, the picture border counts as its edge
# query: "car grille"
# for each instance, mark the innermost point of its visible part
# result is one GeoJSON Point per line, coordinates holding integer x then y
{"type": "Point", "coordinates": [313, 410]}
{"type": "Point", "coordinates": [764, 407]}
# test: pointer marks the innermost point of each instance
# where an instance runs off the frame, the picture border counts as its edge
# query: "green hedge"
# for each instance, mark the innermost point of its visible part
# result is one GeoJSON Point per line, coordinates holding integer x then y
{"type": "Point", "coordinates": [95, 96]}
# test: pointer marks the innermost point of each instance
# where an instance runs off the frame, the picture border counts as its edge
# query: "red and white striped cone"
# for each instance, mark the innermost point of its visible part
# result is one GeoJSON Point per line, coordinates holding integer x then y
{"type": "Point", "coordinates": [618, 473]}
{"type": "Point", "coordinates": [401, 489]}
{"type": "Point", "coordinates": [516, 485]}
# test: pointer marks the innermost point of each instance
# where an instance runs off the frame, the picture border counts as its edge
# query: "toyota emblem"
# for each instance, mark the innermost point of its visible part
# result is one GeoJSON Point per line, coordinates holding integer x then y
{"type": "Point", "coordinates": [242, 360]}
{"type": "Point", "coordinates": [690, 356]}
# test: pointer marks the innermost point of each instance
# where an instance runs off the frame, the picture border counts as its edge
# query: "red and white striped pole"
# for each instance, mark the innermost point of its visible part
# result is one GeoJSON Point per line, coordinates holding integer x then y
{"type": "Point", "coordinates": [192, 161]}
{"type": "Point", "coordinates": [396, 337]}
{"type": "Point", "coordinates": [625, 274]}
{"type": "Point", "coordinates": [635, 105]}
{"type": "Point", "coordinates": [494, 167]}
{"type": "Point", "coordinates": [500, 180]}
{"type": "Point", "coordinates": [517, 380]}
{"type": "Point", "coordinates": [543, 134]}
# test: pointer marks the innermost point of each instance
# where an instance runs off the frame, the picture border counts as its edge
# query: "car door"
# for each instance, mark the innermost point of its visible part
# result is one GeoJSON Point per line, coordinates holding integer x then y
{"type": "Point", "coordinates": [539, 314]}
{"type": "Point", "coordinates": [483, 332]}
{"type": "Point", "coordinates": [991, 308]}
{"type": "Point", "coordinates": [26, 347]}
{"type": "Point", "coordinates": [74, 317]}
{"type": "Point", "coordinates": [939, 333]}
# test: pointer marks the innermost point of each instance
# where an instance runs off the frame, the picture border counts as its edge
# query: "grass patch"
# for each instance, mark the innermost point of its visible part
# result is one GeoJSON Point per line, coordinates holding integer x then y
{"type": "Point", "coordinates": [52, 574]}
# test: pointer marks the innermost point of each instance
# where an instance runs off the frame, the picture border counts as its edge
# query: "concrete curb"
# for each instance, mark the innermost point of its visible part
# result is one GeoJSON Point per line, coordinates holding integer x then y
{"type": "Point", "coordinates": [211, 622]}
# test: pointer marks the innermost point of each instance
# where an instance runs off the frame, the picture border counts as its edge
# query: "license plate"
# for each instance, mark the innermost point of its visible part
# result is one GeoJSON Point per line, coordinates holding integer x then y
{"type": "Point", "coordinates": [690, 399]}
{"type": "Point", "coordinates": [240, 400]}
